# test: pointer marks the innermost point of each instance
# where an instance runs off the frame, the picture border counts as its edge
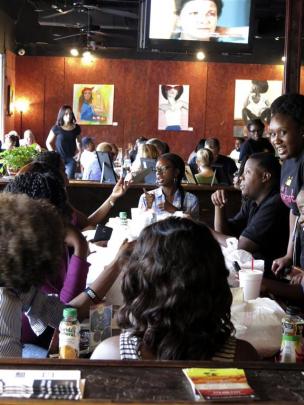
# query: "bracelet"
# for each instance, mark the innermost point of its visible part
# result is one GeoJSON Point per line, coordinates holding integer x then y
{"type": "Point", "coordinates": [92, 294]}
{"type": "Point", "coordinates": [111, 203]}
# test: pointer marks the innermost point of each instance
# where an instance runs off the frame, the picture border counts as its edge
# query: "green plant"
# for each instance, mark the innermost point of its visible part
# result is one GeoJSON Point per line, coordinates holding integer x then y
{"type": "Point", "coordinates": [16, 158]}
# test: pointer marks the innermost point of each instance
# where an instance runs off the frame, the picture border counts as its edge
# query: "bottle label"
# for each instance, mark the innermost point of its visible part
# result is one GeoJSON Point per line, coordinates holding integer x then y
{"type": "Point", "coordinates": [69, 340]}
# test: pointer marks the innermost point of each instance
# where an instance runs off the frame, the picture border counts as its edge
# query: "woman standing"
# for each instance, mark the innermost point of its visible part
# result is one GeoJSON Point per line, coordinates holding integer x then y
{"type": "Point", "coordinates": [170, 196]}
{"type": "Point", "coordinates": [64, 137]}
{"type": "Point", "coordinates": [287, 136]}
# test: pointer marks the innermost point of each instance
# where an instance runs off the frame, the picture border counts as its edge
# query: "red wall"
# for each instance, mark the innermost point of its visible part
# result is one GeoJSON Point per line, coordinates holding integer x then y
{"type": "Point", "coordinates": [48, 83]}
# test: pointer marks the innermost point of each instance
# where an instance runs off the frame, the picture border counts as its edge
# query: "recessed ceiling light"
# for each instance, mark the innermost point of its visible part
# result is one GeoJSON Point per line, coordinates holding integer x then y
{"type": "Point", "coordinates": [200, 55]}
{"type": "Point", "coordinates": [283, 58]}
{"type": "Point", "coordinates": [74, 52]}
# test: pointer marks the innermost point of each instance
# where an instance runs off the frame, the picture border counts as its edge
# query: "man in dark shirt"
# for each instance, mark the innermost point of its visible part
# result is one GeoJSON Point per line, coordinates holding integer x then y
{"type": "Point", "coordinates": [255, 143]}
{"type": "Point", "coordinates": [223, 166]}
{"type": "Point", "coordinates": [261, 225]}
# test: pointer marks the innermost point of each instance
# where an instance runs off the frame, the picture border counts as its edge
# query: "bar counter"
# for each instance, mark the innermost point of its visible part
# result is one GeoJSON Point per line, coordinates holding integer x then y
{"type": "Point", "coordinates": [163, 382]}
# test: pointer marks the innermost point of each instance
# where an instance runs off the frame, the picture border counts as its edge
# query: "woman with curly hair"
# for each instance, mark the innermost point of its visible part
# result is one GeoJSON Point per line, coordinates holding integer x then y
{"type": "Point", "coordinates": [31, 247]}
{"type": "Point", "coordinates": [176, 298]}
{"type": "Point", "coordinates": [170, 196]}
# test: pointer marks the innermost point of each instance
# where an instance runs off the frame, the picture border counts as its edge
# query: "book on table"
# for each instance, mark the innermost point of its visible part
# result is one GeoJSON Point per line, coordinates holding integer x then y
{"type": "Point", "coordinates": [43, 384]}
{"type": "Point", "coordinates": [219, 384]}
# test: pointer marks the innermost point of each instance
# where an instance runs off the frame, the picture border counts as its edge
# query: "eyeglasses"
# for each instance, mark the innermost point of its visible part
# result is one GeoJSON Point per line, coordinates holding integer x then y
{"type": "Point", "coordinates": [162, 169]}
{"type": "Point", "coordinates": [255, 131]}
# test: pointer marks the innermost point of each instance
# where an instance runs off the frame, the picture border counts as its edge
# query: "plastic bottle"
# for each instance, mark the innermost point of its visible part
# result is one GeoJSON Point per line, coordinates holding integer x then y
{"type": "Point", "coordinates": [69, 335]}
{"type": "Point", "coordinates": [292, 329]}
{"type": "Point", "coordinates": [123, 219]}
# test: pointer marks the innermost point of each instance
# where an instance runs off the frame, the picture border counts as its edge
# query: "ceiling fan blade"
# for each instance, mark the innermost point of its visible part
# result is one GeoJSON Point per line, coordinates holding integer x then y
{"type": "Point", "coordinates": [113, 11]}
{"type": "Point", "coordinates": [68, 36]}
{"type": "Point", "coordinates": [58, 14]}
{"type": "Point", "coordinates": [113, 35]}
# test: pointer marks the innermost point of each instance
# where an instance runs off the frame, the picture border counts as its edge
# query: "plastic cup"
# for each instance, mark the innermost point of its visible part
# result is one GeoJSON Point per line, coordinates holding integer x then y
{"type": "Point", "coordinates": [250, 281]}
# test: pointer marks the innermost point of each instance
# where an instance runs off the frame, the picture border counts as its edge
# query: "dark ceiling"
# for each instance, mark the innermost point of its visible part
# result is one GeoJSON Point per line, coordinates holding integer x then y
{"type": "Point", "coordinates": [110, 28]}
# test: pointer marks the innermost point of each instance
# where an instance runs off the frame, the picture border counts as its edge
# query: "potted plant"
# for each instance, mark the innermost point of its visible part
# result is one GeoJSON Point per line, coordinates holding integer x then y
{"type": "Point", "coordinates": [13, 159]}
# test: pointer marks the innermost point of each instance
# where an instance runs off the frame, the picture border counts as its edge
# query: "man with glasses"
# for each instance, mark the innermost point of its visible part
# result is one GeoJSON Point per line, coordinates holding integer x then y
{"type": "Point", "coordinates": [255, 142]}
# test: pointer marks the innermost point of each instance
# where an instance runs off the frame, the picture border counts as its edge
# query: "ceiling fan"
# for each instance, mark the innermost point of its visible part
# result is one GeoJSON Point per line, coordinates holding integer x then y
{"type": "Point", "coordinates": [62, 9]}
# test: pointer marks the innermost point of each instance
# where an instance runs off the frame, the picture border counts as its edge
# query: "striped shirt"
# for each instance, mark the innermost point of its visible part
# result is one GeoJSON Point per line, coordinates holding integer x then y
{"type": "Point", "coordinates": [129, 348]}
{"type": "Point", "coordinates": [41, 309]}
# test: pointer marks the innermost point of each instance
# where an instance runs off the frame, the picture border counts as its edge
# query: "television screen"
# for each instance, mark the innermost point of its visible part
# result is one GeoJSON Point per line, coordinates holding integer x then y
{"type": "Point", "coordinates": [178, 24]}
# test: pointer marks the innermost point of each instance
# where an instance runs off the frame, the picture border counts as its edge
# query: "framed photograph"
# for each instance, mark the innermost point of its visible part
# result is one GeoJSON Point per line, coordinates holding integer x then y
{"type": "Point", "coordinates": [93, 103]}
{"type": "Point", "coordinates": [173, 107]}
{"type": "Point", "coordinates": [253, 99]}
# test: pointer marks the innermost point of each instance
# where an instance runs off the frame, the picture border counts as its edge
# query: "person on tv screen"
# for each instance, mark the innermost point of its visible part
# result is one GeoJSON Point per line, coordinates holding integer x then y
{"type": "Point", "coordinates": [197, 19]}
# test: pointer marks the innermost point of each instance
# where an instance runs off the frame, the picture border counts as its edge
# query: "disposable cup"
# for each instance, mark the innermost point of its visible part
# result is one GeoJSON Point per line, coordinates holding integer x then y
{"type": "Point", "coordinates": [250, 281]}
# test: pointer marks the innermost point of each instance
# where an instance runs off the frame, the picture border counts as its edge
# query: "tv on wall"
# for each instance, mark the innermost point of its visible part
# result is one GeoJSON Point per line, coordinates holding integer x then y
{"type": "Point", "coordinates": [181, 25]}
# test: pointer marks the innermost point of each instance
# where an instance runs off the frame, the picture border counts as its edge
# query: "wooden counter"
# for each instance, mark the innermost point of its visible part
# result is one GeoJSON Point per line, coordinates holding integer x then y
{"type": "Point", "coordinates": [163, 382]}
{"type": "Point", "coordinates": [87, 196]}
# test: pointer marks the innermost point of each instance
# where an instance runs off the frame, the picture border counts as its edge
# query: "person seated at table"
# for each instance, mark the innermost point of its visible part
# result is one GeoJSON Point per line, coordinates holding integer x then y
{"type": "Point", "coordinates": [192, 157]}
{"type": "Point", "coordinates": [28, 257]}
{"type": "Point", "coordinates": [255, 142]}
{"type": "Point", "coordinates": [170, 196]}
{"type": "Point", "coordinates": [93, 169]}
{"type": "Point", "coordinates": [29, 139]}
{"type": "Point", "coordinates": [11, 141]}
{"type": "Point", "coordinates": [223, 165]}
{"type": "Point", "coordinates": [261, 225]}
{"type": "Point", "coordinates": [161, 146]}
{"type": "Point", "coordinates": [133, 151]}
{"type": "Point", "coordinates": [235, 153]}
{"type": "Point", "coordinates": [145, 151]}
{"type": "Point", "coordinates": [178, 306]}
{"type": "Point", "coordinates": [50, 162]}
{"type": "Point", "coordinates": [72, 275]}
{"type": "Point", "coordinates": [206, 175]}
{"type": "Point", "coordinates": [87, 155]}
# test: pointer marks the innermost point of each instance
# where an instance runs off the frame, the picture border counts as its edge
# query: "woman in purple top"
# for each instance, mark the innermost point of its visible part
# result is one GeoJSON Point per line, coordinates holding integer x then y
{"type": "Point", "coordinates": [71, 278]}
{"type": "Point", "coordinates": [64, 137]}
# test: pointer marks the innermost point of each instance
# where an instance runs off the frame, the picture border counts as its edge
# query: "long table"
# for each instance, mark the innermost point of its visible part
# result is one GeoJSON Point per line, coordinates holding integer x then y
{"type": "Point", "coordinates": [153, 382]}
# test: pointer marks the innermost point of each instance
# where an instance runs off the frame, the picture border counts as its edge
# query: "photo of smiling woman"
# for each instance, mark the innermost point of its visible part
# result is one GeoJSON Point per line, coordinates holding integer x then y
{"type": "Point", "coordinates": [173, 107]}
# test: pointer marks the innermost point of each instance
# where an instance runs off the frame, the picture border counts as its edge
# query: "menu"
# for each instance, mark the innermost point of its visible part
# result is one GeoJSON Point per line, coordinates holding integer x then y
{"type": "Point", "coordinates": [224, 384]}
{"type": "Point", "coordinates": [43, 384]}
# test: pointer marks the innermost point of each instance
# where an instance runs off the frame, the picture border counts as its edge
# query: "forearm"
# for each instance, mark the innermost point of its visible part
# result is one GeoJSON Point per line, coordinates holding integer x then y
{"type": "Point", "coordinates": [100, 286]}
{"type": "Point", "coordinates": [220, 237]}
{"type": "Point", "coordinates": [221, 224]}
{"type": "Point", "coordinates": [101, 212]}
{"type": "Point", "coordinates": [292, 222]}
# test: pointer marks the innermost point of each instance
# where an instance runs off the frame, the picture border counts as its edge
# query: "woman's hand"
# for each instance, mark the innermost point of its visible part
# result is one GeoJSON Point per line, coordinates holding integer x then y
{"type": "Point", "coordinates": [124, 253]}
{"type": "Point", "coordinates": [219, 198]}
{"type": "Point", "coordinates": [120, 189]}
{"type": "Point", "coordinates": [149, 199]}
{"type": "Point", "coordinates": [281, 263]}
{"type": "Point", "coordinates": [167, 206]}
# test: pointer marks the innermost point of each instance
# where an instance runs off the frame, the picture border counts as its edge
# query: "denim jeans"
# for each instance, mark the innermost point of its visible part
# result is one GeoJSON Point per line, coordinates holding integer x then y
{"type": "Point", "coordinates": [70, 168]}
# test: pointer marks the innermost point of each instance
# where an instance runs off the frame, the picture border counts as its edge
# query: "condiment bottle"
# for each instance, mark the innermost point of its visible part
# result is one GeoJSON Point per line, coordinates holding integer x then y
{"type": "Point", "coordinates": [292, 329]}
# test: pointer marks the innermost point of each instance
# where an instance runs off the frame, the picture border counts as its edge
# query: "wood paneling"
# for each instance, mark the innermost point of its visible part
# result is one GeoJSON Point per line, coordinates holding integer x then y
{"type": "Point", "coordinates": [48, 83]}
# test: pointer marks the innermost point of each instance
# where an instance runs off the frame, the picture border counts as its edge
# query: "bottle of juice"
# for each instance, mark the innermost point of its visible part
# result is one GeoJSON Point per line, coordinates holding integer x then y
{"type": "Point", "coordinates": [69, 335]}
{"type": "Point", "coordinates": [292, 330]}
{"type": "Point", "coordinates": [123, 219]}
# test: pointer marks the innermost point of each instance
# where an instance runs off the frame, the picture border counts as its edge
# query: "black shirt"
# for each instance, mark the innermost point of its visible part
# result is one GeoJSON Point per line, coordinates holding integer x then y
{"type": "Point", "coordinates": [251, 146]}
{"type": "Point", "coordinates": [292, 178]}
{"type": "Point", "coordinates": [66, 141]}
{"type": "Point", "coordinates": [225, 167]}
{"type": "Point", "coordinates": [266, 224]}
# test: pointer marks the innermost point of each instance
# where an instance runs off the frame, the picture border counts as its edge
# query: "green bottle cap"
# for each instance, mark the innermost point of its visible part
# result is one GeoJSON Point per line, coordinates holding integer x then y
{"type": "Point", "coordinates": [123, 215]}
{"type": "Point", "coordinates": [70, 313]}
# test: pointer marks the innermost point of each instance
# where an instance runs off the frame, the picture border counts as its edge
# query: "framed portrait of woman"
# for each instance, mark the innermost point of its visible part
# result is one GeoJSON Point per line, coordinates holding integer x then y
{"type": "Point", "coordinates": [173, 107]}
{"type": "Point", "coordinates": [93, 103]}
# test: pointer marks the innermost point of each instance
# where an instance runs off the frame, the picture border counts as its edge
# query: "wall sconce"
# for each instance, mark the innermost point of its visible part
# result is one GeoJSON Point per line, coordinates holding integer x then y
{"type": "Point", "coordinates": [22, 106]}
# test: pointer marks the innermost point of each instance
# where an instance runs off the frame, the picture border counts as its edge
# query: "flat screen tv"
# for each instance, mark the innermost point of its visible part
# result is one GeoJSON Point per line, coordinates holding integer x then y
{"type": "Point", "coordinates": [191, 25]}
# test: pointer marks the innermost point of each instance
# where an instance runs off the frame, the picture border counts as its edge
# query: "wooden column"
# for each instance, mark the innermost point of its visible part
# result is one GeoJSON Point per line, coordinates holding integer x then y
{"type": "Point", "coordinates": [292, 52]}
